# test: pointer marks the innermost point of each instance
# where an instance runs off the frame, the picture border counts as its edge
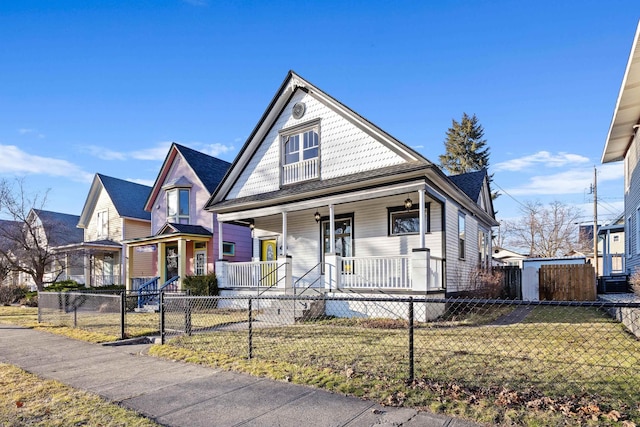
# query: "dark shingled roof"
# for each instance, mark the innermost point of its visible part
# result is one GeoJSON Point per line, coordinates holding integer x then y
{"type": "Point", "coordinates": [470, 183]}
{"type": "Point", "coordinates": [127, 197]}
{"type": "Point", "coordinates": [209, 169]}
{"type": "Point", "coordinates": [60, 228]}
{"type": "Point", "coordinates": [186, 229]}
{"type": "Point", "coordinates": [318, 185]}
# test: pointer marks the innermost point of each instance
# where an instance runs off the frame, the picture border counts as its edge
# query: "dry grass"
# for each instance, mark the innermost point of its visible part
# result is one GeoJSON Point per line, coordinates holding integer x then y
{"type": "Point", "coordinates": [28, 400]}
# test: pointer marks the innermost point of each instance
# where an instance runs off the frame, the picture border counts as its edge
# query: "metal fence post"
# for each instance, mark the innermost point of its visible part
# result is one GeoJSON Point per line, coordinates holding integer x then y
{"type": "Point", "coordinates": [162, 336]}
{"type": "Point", "coordinates": [75, 316]}
{"type": "Point", "coordinates": [250, 331]}
{"type": "Point", "coordinates": [411, 371]}
{"type": "Point", "coordinates": [187, 316]}
{"type": "Point", "coordinates": [123, 309]}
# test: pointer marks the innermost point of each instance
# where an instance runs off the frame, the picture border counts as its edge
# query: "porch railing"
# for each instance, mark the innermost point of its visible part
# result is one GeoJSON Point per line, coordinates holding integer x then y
{"type": "Point", "coordinates": [614, 264]}
{"type": "Point", "coordinates": [300, 171]}
{"type": "Point", "coordinates": [376, 272]}
{"type": "Point", "coordinates": [147, 291]}
{"type": "Point", "coordinates": [252, 274]}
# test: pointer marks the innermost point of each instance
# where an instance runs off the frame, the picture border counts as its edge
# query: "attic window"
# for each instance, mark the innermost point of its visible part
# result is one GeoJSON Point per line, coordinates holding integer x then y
{"type": "Point", "coordinates": [300, 147]}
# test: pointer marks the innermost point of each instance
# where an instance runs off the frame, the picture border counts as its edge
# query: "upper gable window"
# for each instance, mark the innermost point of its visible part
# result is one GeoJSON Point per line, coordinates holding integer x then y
{"type": "Point", "coordinates": [103, 224]}
{"type": "Point", "coordinates": [300, 153]}
{"type": "Point", "coordinates": [178, 206]}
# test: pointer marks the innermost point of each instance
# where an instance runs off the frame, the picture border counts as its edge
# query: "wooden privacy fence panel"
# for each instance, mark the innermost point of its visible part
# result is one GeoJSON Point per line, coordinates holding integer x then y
{"type": "Point", "coordinates": [567, 282]}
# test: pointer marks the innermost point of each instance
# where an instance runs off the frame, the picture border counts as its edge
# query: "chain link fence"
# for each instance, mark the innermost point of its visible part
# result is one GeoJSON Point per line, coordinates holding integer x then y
{"type": "Point", "coordinates": [116, 314]}
{"type": "Point", "coordinates": [460, 348]}
{"type": "Point", "coordinates": [530, 353]}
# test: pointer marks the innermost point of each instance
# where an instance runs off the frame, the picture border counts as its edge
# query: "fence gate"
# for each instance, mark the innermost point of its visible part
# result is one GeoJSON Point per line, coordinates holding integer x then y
{"type": "Point", "coordinates": [567, 282]}
{"type": "Point", "coordinates": [511, 281]}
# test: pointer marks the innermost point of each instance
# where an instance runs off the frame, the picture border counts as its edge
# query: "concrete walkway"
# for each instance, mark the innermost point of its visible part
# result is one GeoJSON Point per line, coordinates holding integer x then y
{"type": "Point", "coordinates": [180, 394]}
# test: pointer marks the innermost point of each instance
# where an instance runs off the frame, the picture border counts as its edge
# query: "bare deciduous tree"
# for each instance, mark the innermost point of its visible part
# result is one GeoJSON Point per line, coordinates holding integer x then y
{"type": "Point", "coordinates": [547, 231]}
{"type": "Point", "coordinates": [27, 239]}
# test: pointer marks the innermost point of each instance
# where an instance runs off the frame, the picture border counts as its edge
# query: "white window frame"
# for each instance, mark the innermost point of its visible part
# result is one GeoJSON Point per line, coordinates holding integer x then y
{"type": "Point", "coordinates": [637, 230]}
{"type": "Point", "coordinates": [178, 217]}
{"type": "Point", "coordinates": [483, 248]}
{"type": "Point", "coordinates": [462, 227]}
{"type": "Point", "coordinates": [306, 165]}
{"type": "Point", "coordinates": [628, 232]}
{"type": "Point", "coordinates": [102, 226]}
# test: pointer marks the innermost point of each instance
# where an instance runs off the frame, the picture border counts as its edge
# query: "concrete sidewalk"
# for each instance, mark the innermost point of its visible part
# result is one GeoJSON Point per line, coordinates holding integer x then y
{"type": "Point", "coordinates": [180, 394]}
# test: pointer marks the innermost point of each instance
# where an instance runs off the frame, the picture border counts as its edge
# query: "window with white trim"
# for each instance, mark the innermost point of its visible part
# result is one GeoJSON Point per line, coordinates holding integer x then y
{"type": "Point", "coordinates": [628, 233]}
{"type": "Point", "coordinates": [102, 224]}
{"type": "Point", "coordinates": [178, 206]}
{"type": "Point", "coordinates": [300, 153]}
{"type": "Point", "coordinates": [461, 235]}
{"type": "Point", "coordinates": [637, 230]}
{"type": "Point", "coordinates": [483, 248]}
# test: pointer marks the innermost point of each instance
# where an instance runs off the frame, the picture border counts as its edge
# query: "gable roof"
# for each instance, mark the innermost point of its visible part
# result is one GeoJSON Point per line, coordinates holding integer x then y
{"type": "Point", "coordinates": [173, 228]}
{"type": "Point", "coordinates": [127, 197]}
{"type": "Point", "coordinates": [470, 183]}
{"type": "Point", "coordinates": [60, 228]}
{"type": "Point", "coordinates": [209, 170]}
{"type": "Point", "coordinates": [626, 114]}
{"type": "Point", "coordinates": [288, 88]}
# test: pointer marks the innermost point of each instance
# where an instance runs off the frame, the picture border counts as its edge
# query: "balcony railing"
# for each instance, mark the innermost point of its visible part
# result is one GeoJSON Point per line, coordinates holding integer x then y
{"type": "Point", "coordinates": [300, 171]}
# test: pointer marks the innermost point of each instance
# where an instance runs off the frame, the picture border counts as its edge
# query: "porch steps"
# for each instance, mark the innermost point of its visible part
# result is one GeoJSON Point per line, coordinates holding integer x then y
{"type": "Point", "coordinates": [288, 312]}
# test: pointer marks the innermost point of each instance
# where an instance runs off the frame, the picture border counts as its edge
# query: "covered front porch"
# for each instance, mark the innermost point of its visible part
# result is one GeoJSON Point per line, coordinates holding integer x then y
{"type": "Point", "coordinates": [387, 240]}
{"type": "Point", "coordinates": [176, 251]}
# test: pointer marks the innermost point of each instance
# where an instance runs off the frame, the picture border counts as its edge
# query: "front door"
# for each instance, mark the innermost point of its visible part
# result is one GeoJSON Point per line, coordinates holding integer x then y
{"type": "Point", "coordinates": [171, 257]}
{"type": "Point", "coordinates": [268, 252]}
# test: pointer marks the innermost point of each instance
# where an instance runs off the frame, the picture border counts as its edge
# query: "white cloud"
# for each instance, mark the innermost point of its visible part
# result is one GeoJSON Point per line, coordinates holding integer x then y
{"type": "Point", "coordinates": [25, 131]}
{"type": "Point", "coordinates": [572, 181]}
{"type": "Point", "coordinates": [159, 152]}
{"type": "Point", "coordinates": [216, 149]}
{"type": "Point", "coordinates": [104, 153]}
{"type": "Point", "coordinates": [16, 161]}
{"type": "Point", "coordinates": [544, 158]}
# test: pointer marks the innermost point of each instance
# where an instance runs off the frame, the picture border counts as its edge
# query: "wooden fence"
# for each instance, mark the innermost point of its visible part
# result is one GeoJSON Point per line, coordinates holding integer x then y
{"type": "Point", "coordinates": [567, 282]}
{"type": "Point", "coordinates": [511, 281]}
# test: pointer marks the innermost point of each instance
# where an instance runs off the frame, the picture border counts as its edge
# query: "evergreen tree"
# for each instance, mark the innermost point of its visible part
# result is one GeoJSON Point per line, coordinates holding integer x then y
{"type": "Point", "coordinates": [465, 146]}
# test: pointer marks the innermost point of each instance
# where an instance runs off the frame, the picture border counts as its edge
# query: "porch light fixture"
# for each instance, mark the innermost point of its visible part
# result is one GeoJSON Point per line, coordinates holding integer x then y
{"type": "Point", "coordinates": [408, 204]}
{"type": "Point", "coordinates": [251, 225]}
{"type": "Point", "coordinates": [317, 216]}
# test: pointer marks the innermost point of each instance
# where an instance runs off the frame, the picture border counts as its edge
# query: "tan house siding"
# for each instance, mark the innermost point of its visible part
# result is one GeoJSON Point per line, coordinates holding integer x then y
{"type": "Point", "coordinates": [114, 232]}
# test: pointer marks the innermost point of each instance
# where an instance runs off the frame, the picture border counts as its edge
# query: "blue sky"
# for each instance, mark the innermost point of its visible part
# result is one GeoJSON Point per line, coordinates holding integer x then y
{"type": "Point", "coordinates": [106, 86]}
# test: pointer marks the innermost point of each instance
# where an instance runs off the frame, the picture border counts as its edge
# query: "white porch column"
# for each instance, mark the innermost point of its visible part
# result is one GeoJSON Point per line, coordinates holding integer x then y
{"type": "Point", "coordinates": [220, 250]}
{"type": "Point", "coordinates": [332, 271]}
{"type": "Point", "coordinates": [420, 263]}
{"type": "Point", "coordinates": [130, 251]}
{"type": "Point", "coordinates": [162, 262]}
{"type": "Point", "coordinates": [87, 268]}
{"type": "Point", "coordinates": [284, 234]}
{"type": "Point", "coordinates": [332, 231]}
{"type": "Point", "coordinates": [182, 261]}
{"type": "Point", "coordinates": [421, 217]}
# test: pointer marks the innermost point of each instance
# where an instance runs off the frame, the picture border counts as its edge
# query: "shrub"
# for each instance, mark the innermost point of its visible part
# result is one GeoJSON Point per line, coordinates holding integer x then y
{"type": "Point", "coordinates": [483, 283]}
{"type": "Point", "coordinates": [63, 286]}
{"type": "Point", "coordinates": [201, 285]}
{"type": "Point", "coordinates": [10, 294]}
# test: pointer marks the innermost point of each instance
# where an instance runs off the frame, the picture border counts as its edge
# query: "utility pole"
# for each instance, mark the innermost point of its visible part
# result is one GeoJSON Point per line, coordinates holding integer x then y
{"type": "Point", "coordinates": [595, 219]}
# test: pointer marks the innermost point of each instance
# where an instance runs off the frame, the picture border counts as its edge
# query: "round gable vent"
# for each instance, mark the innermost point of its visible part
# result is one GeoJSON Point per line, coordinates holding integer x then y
{"type": "Point", "coordinates": [298, 110]}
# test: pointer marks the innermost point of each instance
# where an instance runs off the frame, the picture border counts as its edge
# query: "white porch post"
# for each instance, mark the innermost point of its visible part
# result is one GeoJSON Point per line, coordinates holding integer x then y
{"type": "Point", "coordinates": [421, 217]}
{"type": "Point", "coordinates": [332, 231]}
{"type": "Point", "coordinates": [182, 261]}
{"type": "Point", "coordinates": [220, 250]}
{"type": "Point", "coordinates": [87, 268]}
{"type": "Point", "coordinates": [284, 234]}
